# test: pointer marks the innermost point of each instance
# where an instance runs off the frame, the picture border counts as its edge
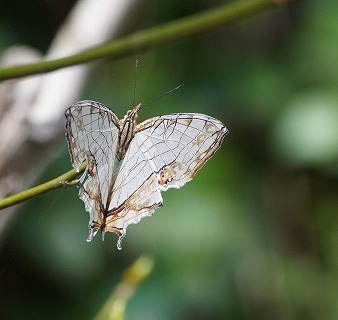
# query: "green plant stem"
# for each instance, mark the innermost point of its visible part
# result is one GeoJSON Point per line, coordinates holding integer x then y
{"type": "Point", "coordinates": [63, 181]}
{"type": "Point", "coordinates": [148, 39]}
{"type": "Point", "coordinates": [115, 306]}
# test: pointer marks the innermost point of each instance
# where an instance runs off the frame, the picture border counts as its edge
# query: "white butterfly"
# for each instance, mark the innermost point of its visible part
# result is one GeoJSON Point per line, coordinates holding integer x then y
{"type": "Point", "coordinates": [129, 164]}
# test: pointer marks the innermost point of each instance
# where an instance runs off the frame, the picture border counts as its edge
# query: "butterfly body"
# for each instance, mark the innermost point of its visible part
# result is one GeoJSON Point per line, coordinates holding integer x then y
{"type": "Point", "coordinates": [129, 164]}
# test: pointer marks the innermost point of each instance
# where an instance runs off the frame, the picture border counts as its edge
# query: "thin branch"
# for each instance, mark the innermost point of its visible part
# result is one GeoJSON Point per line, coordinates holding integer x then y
{"type": "Point", "coordinates": [63, 181]}
{"type": "Point", "coordinates": [154, 37]}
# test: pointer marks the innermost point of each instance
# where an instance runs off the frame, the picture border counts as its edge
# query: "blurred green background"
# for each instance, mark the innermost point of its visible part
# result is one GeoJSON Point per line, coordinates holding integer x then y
{"type": "Point", "coordinates": [254, 236]}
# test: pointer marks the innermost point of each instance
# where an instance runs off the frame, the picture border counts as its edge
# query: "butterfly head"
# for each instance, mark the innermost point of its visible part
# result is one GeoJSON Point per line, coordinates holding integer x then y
{"type": "Point", "coordinates": [132, 114]}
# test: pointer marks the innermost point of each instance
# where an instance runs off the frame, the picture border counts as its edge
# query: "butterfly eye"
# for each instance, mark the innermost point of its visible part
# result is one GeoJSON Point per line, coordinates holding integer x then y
{"type": "Point", "coordinates": [132, 114]}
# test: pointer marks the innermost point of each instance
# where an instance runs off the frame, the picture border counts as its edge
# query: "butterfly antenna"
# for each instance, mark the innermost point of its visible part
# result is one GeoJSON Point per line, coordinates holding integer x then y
{"type": "Point", "coordinates": [162, 95]}
{"type": "Point", "coordinates": [135, 81]}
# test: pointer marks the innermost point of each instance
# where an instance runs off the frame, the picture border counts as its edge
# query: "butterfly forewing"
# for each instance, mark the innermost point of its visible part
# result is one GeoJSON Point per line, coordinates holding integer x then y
{"type": "Point", "coordinates": [179, 145]}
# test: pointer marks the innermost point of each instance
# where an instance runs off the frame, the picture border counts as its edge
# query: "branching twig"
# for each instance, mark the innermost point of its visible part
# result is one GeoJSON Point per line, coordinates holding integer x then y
{"type": "Point", "coordinates": [144, 40]}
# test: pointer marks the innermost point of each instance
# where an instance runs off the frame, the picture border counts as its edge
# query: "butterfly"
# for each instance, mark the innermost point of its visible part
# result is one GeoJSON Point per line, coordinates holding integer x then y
{"type": "Point", "coordinates": [129, 164]}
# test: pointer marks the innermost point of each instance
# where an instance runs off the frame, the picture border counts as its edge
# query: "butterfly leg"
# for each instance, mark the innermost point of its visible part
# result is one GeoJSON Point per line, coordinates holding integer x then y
{"type": "Point", "coordinates": [119, 241]}
{"type": "Point", "coordinates": [93, 229]}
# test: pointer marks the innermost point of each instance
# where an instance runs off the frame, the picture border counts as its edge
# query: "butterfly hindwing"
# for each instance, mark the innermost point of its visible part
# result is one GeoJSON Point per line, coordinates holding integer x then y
{"type": "Point", "coordinates": [135, 193]}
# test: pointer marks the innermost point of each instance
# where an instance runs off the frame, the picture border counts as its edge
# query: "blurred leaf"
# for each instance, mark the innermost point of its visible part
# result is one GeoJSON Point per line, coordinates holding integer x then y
{"type": "Point", "coordinates": [307, 131]}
